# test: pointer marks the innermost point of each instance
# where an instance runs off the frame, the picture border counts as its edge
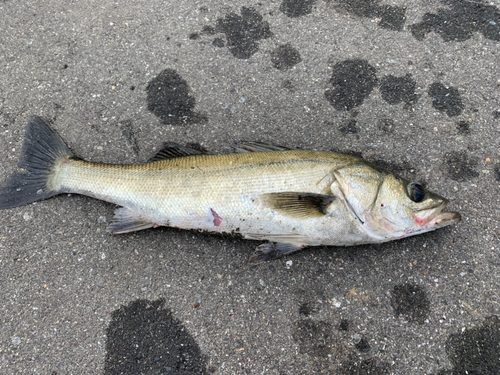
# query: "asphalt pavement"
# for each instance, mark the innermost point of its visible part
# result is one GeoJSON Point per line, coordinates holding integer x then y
{"type": "Point", "coordinates": [413, 86]}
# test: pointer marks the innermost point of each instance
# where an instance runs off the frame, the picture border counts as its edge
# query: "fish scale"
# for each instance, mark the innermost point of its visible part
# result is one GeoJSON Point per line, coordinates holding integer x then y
{"type": "Point", "coordinates": [182, 191]}
{"type": "Point", "coordinates": [292, 198]}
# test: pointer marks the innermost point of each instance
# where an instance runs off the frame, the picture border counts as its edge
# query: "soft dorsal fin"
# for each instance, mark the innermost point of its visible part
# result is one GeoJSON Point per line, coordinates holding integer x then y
{"type": "Point", "coordinates": [244, 147]}
{"type": "Point", "coordinates": [174, 150]}
{"type": "Point", "coordinates": [298, 205]}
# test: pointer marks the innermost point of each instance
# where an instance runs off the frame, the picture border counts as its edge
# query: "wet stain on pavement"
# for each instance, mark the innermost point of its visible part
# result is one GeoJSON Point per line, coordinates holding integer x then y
{"type": "Point", "coordinates": [353, 81]}
{"type": "Point", "coordinates": [169, 98]}
{"type": "Point", "coordinates": [243, 32]}
{"type": "Point", "coordinates": [296, 8]}
{"type": "Point", "coordinates": [386, 125]}
{"type": "Point", "coordinates": [208, 30]}
{"type": "Point", "coordinates": [344, 325]}
{"type": "Point", "coordinates": [370, 366]}
{"type": "Point", "coordinates": [459, 20]}
{"type": "Point", "coordinates": [314, 337]}
{"type": "Point", "coordinates": [363, 345]}
{"type": "Point", "coordinates": [386, 16]}
{"type": "Point", "coordinates": [350, 127]}
{"type": "Point", "coordinates": [395, 90]}
{"type": "Point", "coordinates": [129, 134]}
{"type": "Point", "coordinates": [218, 42]}
{"type": "Point", "coordinates": [476, 350]}
{"type": "Point", "coordinates": [497, 172]}
{"type": "Point", "coordinates": [285, 57]}
{"type": "Point", "coordinates": [463, 128]}
{"type": "Point", "coordinates": [446, 99]}
{"type": "Point", "coordinates": [411, 302]}
{"type": "Point", "coordinates": [144, 338]}
{"type": "Point", "coordinates": [288, 85]}
{"type": "Point", "coordinates": [460, 166]}
{"type": "Point", "coordinates": [307, 308]}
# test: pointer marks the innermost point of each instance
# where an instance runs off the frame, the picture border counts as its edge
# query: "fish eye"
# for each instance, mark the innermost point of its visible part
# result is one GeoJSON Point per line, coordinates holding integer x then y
{"type": "Point", "coordinates": [416, 192]}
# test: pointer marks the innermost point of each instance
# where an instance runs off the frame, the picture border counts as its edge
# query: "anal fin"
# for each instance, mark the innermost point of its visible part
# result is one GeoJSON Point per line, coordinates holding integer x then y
{"type": "Point", "coordinates": [126, 221]}
{"type": "Point", "coordinates": [273, 250]}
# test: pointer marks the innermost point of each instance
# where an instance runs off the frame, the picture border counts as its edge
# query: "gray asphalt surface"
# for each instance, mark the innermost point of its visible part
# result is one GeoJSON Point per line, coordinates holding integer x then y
{"type": "Point", "coordinates": [412, 86]}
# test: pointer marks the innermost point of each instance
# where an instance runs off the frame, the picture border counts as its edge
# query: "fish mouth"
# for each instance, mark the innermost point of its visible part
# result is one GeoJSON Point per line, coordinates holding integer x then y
{"type": "Point", "coordinates": [435, 216]}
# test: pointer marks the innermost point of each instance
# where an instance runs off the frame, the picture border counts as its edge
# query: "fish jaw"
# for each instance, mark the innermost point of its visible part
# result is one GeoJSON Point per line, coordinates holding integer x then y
{"type": "Point", "coordinates": [431, 219]}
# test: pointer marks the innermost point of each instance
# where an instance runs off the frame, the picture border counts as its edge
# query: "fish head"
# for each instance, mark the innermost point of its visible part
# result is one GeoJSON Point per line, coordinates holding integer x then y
{"type": "Point", "coordinates": [388, 207]}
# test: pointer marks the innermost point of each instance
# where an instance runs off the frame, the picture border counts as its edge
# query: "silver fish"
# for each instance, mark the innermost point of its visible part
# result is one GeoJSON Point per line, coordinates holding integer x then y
{"type": "Point", "coordinates": [291, 198]}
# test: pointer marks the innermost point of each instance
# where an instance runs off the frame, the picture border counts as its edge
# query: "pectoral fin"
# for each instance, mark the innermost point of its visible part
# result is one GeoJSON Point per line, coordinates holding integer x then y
{"type": "Point", "coordinates": [298, 205]}
{"type": "Point", "coordinates": [126, 221]}
{"type": "Point", "coordinates": [273, 250]}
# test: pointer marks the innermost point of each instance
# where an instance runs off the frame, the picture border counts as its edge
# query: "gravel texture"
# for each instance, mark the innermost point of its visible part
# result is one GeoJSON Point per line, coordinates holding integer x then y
{"type": "Point", "coordinates": [411, 86]}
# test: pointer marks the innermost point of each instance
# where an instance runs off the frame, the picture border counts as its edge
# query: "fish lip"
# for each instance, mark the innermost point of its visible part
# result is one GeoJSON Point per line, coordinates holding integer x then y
{"type": "Point", "coordinates": [448, 217]}
{"type": "Point", "coordinates": [438, 216]}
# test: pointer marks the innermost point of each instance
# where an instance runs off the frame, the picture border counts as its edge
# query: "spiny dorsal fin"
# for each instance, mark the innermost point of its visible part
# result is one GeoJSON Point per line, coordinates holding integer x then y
{"type": "Point", "coordinates": [174, 150]}
{"type": "Point", "coordinates": [298, 205]}
{"type": "Point", "coordinates": [244, 147]}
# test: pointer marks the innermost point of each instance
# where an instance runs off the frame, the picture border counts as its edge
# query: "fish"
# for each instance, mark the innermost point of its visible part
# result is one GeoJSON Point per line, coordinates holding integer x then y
{"type": "Point", "coordinates": [289, 198]}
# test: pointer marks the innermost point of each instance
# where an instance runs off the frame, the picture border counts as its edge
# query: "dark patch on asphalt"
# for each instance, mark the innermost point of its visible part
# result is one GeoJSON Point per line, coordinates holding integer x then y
{"type": "Point", "coordinates": [459, 166]}
{"type": "Point", "coordinates": [363, 345]}
{"type": "Point", "coordinates": [285, 57]}
{"type": "Point", "coordinates": [194, 36]}
{"type": "Point", "coordinates": [476, 350]}
{"type": "Point", "coordinates": [445, 99]}
{"type": "Point", "coordinates": [367, 367]}
{"type": "Point", "coordinates": [496, 114]}
{"type": "Point", "coordinates": [386, 125]}
{"type": "Point", "coordinates": [243, 32]}
{"type": "Point", "coordinates": [344, 325]}
{"type": "Point", "coordinates": [218, 42]}
{"type": "Point", "coordinates": [459, 21]}
{"type": "Point", "coordinates": [395, 90]}
{"type": "Point", "coordinates": [169, 99]}
{"type": "Point", "coordinates": [386, 16]}
{"type": "Point", "coordinates": [353, 81]}
{"type": "Point", "coordinates": [144, 338]}
{"type": "Point", "coordinates": [307, 308]}
{"type": "Point", "coordinates": [350, 127]}
{"type": "Point", "coordinates": [296, 8]}
{"type": "Point", "coordinates": [208, 30]}
{"type": "Point", "coordinates": [463, 127]}
{"type": "Point", "coordinates": [497, 172]}
{"type": "Point", "coordinates": [314, 338]}
{"type": "Point", "coordinates": [129, 134]}
{"type": "Point", "coordinates": [289, 85]}
{"type": "Point", "coordinates": [410, 301]}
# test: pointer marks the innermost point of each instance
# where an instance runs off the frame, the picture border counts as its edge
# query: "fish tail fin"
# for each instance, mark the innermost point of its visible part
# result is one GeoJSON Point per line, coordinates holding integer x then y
{"type": "Point", "coordinates": [43, 149]}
